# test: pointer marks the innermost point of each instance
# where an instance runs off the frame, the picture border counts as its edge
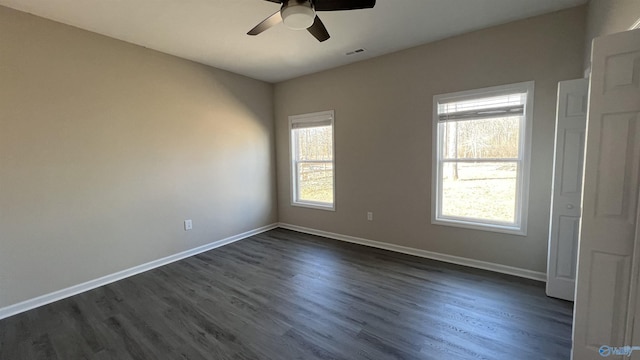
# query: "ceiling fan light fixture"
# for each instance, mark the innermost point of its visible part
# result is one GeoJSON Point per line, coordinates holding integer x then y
{"type": "Point", "coordinates": [298, 16]}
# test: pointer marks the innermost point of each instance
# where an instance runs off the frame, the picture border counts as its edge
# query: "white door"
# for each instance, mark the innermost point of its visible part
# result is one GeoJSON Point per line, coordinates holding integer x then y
{"type": "Point", "coordinates": [571, 120]}
{"type": "Point", "coordinates": [604, 312]}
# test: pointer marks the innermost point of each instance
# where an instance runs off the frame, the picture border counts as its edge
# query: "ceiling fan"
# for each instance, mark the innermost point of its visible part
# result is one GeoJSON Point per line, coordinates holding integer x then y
{"type": "Point", "coordinates": [301, 14]}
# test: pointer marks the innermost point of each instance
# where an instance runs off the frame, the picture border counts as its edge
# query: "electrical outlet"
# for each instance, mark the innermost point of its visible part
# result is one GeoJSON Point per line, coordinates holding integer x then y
{"type": "Point", "coordinates": [188, 225]}
{"type": "Point", "coordinates": [370, 216]}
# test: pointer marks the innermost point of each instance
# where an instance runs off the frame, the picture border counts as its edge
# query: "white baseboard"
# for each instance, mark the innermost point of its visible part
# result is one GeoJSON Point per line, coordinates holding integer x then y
{"type": "Point", "coordinates": [504, 269]}
{"type": "Point", "coordinates": [92, 284]}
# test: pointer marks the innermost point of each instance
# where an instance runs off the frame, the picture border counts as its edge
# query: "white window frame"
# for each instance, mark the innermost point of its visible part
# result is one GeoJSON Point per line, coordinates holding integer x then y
{"type": "Point", "coordinates": [317, 117]}
{"type": "Point", "coordinates": [522, 184]}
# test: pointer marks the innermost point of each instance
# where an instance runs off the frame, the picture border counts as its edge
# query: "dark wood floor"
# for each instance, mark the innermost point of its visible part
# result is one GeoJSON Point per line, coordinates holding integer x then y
{"type": "Point", "coordinates": [285, 295]}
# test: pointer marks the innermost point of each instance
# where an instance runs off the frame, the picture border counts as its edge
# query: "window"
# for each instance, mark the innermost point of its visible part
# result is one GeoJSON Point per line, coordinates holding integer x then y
{"type": "Point", "coordinates": [312, 165]}
{"type": "Point", "coordinates": [481, 153]}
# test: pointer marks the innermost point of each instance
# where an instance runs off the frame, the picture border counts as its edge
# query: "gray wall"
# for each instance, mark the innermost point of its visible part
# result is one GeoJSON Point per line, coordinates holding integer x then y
{"type": "Point", "coordinates": [607, 17]}
{"type": "Point", "coordinates": [383, 125]}
{"type": "Point", "coordinates": [106, 147]}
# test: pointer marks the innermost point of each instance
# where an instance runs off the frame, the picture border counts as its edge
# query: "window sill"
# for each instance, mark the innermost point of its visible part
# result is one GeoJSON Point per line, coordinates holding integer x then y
{"type": "Point", "coordinates": [504, 229]}
{"type": "Point", "coordinates": [317, 206]}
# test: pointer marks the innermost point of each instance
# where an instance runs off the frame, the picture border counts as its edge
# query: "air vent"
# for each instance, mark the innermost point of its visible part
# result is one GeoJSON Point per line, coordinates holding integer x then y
{"type": "Point", "coordinates": [356, 51]}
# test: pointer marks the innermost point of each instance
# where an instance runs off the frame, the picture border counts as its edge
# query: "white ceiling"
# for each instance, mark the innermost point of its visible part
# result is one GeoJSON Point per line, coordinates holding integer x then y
{"type": "Point", "coordinates": [213, 32]}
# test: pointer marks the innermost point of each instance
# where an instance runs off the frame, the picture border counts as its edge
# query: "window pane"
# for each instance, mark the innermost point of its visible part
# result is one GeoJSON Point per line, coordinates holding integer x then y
{"type": "Point", "coordinates": [315, 182]}
{"type": "Point", "coordinates": [476, 139]}
{"type": "Point", "coordinates": [480, 191]}
{"type": "Point", "coordinates": [314, 143]}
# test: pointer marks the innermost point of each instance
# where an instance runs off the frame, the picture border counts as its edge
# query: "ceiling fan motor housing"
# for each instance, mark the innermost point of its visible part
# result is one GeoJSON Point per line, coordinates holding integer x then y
{"type": "Point", "coordinates": [301, 14]}
{"type": "Point", "coordinates": [298, 15]}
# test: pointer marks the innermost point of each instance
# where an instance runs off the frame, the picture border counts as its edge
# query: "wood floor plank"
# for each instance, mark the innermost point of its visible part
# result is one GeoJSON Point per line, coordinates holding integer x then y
{"type": "Point", "coordinates": [285, 295]}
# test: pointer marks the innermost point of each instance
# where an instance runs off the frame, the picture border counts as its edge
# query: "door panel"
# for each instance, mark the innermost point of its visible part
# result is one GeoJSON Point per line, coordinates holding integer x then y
{"type": "Point", "coordinates": [617, 167]}
{"type": "Point", "coordinates": [612, 299]}
{"type": "Point", "coordinates": [568, 227]}
{"type": "Point", "coordinates": [573, 159]}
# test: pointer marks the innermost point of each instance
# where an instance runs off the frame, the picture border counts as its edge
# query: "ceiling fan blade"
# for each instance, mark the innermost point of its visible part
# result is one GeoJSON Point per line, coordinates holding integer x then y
{"type": "Point", "coordinates": [318, 30]}
{"type": "Point", "coordinates": [272, 20]}
{"type": "Point", "coordinates": [335, 5]}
